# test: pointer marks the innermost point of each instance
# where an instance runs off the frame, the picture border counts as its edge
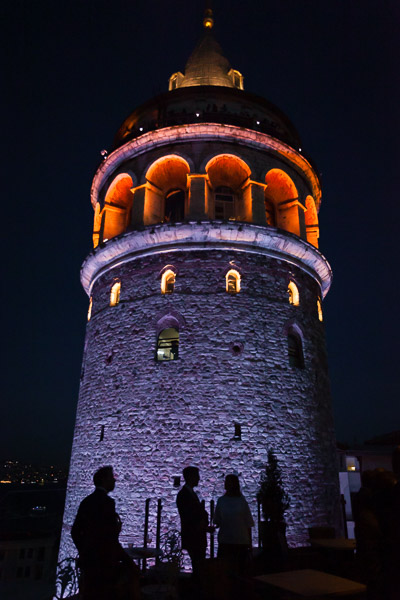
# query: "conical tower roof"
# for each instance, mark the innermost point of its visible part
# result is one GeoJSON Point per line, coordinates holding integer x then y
{"type": "Point", "coordinates": [207, 64]}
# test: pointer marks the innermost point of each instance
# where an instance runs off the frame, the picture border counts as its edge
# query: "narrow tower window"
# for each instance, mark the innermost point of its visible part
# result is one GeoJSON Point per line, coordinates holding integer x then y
{"type": "Point", "coordinates": [293, 292]}
{"type": "Point", "coordinates": [319, 308]}
{"type": "Point", "coordinates": [232, 282]}
{"type": "Point", "coordinates": [168, 344]}
{"type": "Point", "coordinates": [115, 293]}
{"type": "Point", "coordinates": [89, 312]}
{"type": "Point", "coordinates": [102, 433]}
{"type": "Point", "coordinates": [238, 432]}
{"type": "Point", "coordinates": [168, 282]}
{"type": "Point", "coordinates": [295, 351]}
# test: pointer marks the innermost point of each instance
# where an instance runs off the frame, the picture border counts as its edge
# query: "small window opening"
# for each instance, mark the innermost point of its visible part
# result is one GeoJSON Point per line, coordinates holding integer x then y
{"type": "Point", "coordinates": [168, 282]}
{"type": "Point", "coordinates": [295, 351]}
{"type": "Point", "coordinates": [115, 293]}
{"type": "Point", "coordinates": [89, 313]}
{"type": "Point", "coordinates": [177, 481]}
{"type": "Point", "coordinates": [232, 282]}
{"type": "Point", "coordinates": [168, 344]}
{"type": "Point", "coordinates": [174, 206]}
{"type": "Point", "coordinates": [224, 203]}
{"type": "Point", "coordinates": [102, 433]}
{"type": "Point", "coordinates": [319, 308]}
{"type": "Point", "coordinates": [293, 292]}
{"type": "Point", "coordinates": [238, 432]}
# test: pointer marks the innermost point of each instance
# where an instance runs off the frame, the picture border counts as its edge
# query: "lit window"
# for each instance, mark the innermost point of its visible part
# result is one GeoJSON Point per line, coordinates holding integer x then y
{"type": "Point", "coordinates": [89, 312]}
{"type": "Point", "coordinates": [224, 203]}
{"type": "Point", "coordinates": [168, 344]}
{"type": "Point", "coordinates": [352, 463]}
{"type": "Point", "coordinates": [319, 308]}
{"type": "Point", "coordinates": [232, 282]}
{"type": "Point", "coordinates": [295, 351]}
{"type": "Point", "coordinates": [168, 282]}
{"type": "Point", "coordinates": [115, 293]}
{"type": "Point", "coordinates": [293, 292]}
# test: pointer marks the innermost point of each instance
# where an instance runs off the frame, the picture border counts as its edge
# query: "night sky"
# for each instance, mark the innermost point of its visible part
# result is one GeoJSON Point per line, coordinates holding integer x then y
{"type": "Point", "coordinates": [75, 69]}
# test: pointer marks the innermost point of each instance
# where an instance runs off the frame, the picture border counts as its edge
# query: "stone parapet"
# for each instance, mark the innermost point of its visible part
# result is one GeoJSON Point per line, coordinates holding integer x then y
{"type": "Point", "coordinates": [207, 235]}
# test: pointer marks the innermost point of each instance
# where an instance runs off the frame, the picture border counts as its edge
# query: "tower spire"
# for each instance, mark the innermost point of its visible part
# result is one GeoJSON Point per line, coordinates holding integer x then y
{"type": "Point", "coordinates": [208, 21]}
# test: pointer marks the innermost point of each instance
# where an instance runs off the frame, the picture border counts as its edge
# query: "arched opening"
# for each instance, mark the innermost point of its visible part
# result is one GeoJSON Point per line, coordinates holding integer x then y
{"type": "Point", "coordinates": [228, 176]}
{"type": "Point", "coordinates": [115, 293]}
{"type": "Point", "coordinates": [168, 344]}
{"type": "Point", "coordinates": [168, 282]}
{"type": "Point", "coordinates": [232, 281]}
{"type": "Point", "coordinates": [311, 219]}
{"type": "Point", "coordinates": [295, 350]}
{"type": "Point", "coordinates": [174, 206]}
{"type": "Point", "coordinates": [166, 190]}
{"type": "Point", "coordinates": [293, 291]}
{"type": "Point", "coordinates": [116, 214]}
{"type": "Point", "coordinates": [281, 193]}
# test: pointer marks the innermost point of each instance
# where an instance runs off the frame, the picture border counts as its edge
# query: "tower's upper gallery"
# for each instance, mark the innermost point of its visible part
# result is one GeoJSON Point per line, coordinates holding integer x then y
{"type": "Point", "coordinates": [209, 91]}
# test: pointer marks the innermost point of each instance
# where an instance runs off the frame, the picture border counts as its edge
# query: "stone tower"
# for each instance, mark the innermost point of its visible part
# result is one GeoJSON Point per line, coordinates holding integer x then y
{"type": "Point", "coordinates": [205, 340]}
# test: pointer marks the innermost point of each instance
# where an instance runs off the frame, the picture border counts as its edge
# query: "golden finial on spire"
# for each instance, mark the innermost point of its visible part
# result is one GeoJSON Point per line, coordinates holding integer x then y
{"type": "Point", "coordinates": [208, 20]}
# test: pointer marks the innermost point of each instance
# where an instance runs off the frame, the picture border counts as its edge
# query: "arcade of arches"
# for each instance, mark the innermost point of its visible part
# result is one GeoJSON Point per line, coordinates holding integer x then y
{"type": "Point", "coordinates": [171, 194]}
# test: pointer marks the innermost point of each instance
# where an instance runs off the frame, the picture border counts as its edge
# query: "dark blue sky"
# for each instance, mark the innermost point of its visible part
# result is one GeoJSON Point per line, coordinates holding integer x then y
{"type": "Point", "coordinates": [75, 69]}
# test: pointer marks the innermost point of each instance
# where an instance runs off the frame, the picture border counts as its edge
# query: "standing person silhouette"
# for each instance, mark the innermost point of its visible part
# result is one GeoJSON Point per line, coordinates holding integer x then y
{"type": "Point", "coordinates": [107, 571]}
{"type": "Point", "coordinates": [233, 517]}
{"type": "Point", "coordinates": [194, 520]}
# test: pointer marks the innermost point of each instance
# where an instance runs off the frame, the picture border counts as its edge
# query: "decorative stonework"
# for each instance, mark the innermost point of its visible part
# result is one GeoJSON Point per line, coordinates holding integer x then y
{"type": "Point", "coordinates": [207, 236]}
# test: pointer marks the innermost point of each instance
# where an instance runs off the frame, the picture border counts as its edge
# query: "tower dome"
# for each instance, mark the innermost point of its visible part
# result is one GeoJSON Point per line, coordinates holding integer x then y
{"type": "Point", "coordinates": [205, 343]}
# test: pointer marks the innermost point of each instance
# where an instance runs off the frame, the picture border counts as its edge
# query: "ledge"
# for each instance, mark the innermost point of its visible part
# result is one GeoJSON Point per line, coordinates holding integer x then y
{"type": "Point", "coordinates": [205, 236]}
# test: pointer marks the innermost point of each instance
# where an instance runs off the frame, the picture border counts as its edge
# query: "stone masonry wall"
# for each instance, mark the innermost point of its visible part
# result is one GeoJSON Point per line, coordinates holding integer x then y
{"type": "Point", "coordinates": [161, 416]}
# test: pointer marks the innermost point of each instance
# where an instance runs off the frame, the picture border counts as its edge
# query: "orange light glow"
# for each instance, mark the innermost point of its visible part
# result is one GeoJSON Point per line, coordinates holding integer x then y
{"type": "Point", "coordinates": [311, 218]}
{"type": "Point", "coordinates": [319, 308]}
{"type": "Point", "coordinates": [293, 291]}
{"type": "Point", "coordinates": [232, 281]}
{"type": "Point", "coordinates": [115, 293]}
{"type": "Point", "coordinates": [168, 282]}
{"type": "Point", "coordinates": [282, 194]}
{"type": "Point", "coordinates": [89, 314]}
{"type": "Point", "coordinates": [115, 216]}
{"type": "Point", "coordinates": [166, 174]}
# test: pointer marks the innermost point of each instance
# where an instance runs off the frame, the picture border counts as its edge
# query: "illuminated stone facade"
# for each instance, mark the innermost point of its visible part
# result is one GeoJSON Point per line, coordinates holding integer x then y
{"type": "Point", "coordinates": [210, 182]}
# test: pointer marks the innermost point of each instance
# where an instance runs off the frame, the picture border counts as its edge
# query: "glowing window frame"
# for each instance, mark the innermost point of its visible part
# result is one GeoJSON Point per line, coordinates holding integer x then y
{"type": "Point", "coordinates": [167, 348]}
{"type": "Point", "coordinates": [115, 293]}
{"type": "Point", "coordinates": [89, 312]}
{"type": "Point", "coordinates": [236, 275]}
{"type": "Point", "coordinates": [164, 281]}
{"type": "Point", "coordinates": [293, 291]}
{"type": "Point", "coordinates": [319, 309]}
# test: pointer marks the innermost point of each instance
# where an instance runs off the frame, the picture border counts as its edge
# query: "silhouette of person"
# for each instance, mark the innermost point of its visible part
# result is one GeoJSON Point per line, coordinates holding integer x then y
{"type": "Point", "coordinates": [107, 571]}
{"type": "Point", "coordinates": [194, 520]}
{"type": "Point", "coordinates": [234, 519]}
